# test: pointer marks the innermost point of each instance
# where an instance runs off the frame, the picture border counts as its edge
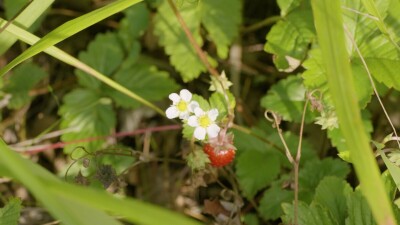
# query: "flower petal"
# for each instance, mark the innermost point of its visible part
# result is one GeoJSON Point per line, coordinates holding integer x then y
{"type": "Point", "coordinates": [184, 115]}
{"type": "Point", "coordinates": [172, 112]}
{"type": "Point", "coordinates": [213, 114]}
{"type": "Point", "coordinates": [185, 95]}
{"type": "Point", "coordinates": [192, 121]}
{"type": "Point", "coordinates": [200, 133]}
{"type": "Point", "coordinates": [193, 105]}
{"type": "Point", "coordinates": [198, 111]}
{"type": "Point", "coordinates": [174, 98]}
{"type": "Point", "coordinates": [213, 130]}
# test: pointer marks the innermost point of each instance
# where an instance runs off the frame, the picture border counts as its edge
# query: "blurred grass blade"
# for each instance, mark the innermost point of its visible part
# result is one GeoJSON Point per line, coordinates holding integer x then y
{"type": "Point", "coordinates": [68, 29]}
{"type": "Point", "coordinates": [329, 26]}
{"type": "Point", "coordinates": [68, 202]}
{"type": "Point", "coordinates": [25, 19]}
{"type": "Point", "coordinates": [31, 39]}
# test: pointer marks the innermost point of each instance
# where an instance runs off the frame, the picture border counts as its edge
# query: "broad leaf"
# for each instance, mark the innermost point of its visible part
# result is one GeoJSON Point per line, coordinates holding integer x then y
{"type": "Point", "coordinates": [221, 19]}
{"type": "Point", "coordinates": [271, 203]}
{"type": "Point", "coordinates": [24, 78]}
{"type": "Point", "coordinates": [89, 115]}
{"type": "Point", "coordinates": [287, 98]}
{"type": "Point", "coordinates": [175, 42]}
{"type": "Point", "coordinates": [314, 214]}
{"type": "Point", "coordinates": [358, 209]}
{"type": "Point", "coordinates": [290, 37]}
{"type": "Point", "coordinates": [255, 170]}
{"type": "Point", "coordinates": [144, 80]}
{"type": "Point", "coordinates": [314, 171]}
{"type": "Point", "coordinates": [9, 214]}
{"type": "Point", "coordinates": [104, 54]}
{"type": "Point", "coordinates": [331, 193]}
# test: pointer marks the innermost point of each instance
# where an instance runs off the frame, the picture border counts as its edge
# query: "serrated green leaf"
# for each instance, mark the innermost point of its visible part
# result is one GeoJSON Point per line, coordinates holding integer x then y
{"type": "Point", "coordinates": [144, 80]}
{"type": "Point", "coordinates": [89, 115]}
{"type": "Point", "coordinates": [221, 19]}
{"type": "Point", "coordinates": [218, 101]}
{"type": "Point", "coordinates": [290, 37]}
{"type": "Point", "coordinates": [197, 159]}
{"type": "Point", "coordinates": [175, 42]}
{"type": "Point", "coordinates": [358, 209]}
{"type": "Point", "coordinates": [24, 78]}
{"type": "Point", "coordinates": [314, 214]}
{"type": "Point", "coordinates": [271, 203]}
{"type": "Point", "coordinates": [331, 193]}
{"type": "Point", "coordinates": [255, 170]}
{"type": "Point", "coordinates": [314, 171]}
{"type": "Point", "coordinates": [9, 214]}
{"type": "Point", "coordinates": [133, 25]}
{"type": "Point", "coordinates": [287, 98]}
{"type": "Point", "coordinates": [104, 54]}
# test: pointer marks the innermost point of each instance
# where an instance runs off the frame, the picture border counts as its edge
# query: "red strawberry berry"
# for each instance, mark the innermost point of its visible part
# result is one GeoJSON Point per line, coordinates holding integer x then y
{"type": "Point", "coordinates": [219, 157]}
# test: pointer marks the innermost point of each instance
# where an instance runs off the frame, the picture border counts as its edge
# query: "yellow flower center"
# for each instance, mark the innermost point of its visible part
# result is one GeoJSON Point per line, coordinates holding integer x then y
{"type": "Point", "coordinates": [204, 121]}
{"type": "Point", "coordinates": [182, 106]}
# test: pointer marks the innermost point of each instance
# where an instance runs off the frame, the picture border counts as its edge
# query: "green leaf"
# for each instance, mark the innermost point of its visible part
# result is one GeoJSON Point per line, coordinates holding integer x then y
{"type": "Point", "coordinates": [89, 115]}
{"type": "Point", "coordinates": [218, 101]}
{"type": "Point", "coordinates": [251, 219]}
{"type": "Point", "coordinates": [187, 132]}
{"type": "Point", "coordinates": [287, 5]}
{"type": "Point", "coordinates": [104, 54]}
{"type": "Point", "coordinates": [255, 170]}
{"type": "Point", "coordinates": [175, 42]}
{"type": "Point", "coordinates": [393, 169]}
{"type": "Point", "coordinates": [9, 214]}
{"type": "Point", "coordinates": [221, 19]}
{"type": "Point", "coordinates": [133, 25]}
{"type": "Point", "coordinates": [331, 193]}
{"type": "Point", "coordinates": [290, 37]}
{"type": "Point", "coordinates": [314, 214]}
{"type": "Point", "coordinates": [24, 78]}
{"type": "Point", "coordinates": [314, 171]}
{"type": "Point", "coordinates": [203, 104]}
{"type": "Point", "coordinates": [144, 80]}
{"type": "Point", "coordinates": [287, 98]}
{"type": "Point", "coordinates": [358, 209]}
{"type": "Point", "coordinates": [68, 29]}
{"type": "Point", "coordinates": [271, 203]}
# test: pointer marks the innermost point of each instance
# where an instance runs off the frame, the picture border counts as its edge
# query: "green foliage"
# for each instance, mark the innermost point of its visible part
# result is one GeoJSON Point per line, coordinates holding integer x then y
{"type": "Point", "coordinates": [175, 42]}
{"type": "Point", "coordinates": [208, 13]}
{"type": "Point", "coordinates": [287, 98]}
{"type": "Point", "coordinates": [359, 213]}
{"type": "Point", "coordinates": [314, 171]}
{"type": "Point", "coordinates": [222, 20]}
{"type": "Point", "coordinates": [90, 115]}
{"type": "Point", "coordinates": [9, 214]}
{"type": "Point", "coordinates": [255, 170]}
{"type": "Point", "coordinates": [105, 54]}
{"type": "Point", "coordinates": [270, 204]}
{"type": "Point", "coordinates": [290, 37]}
{"type": "Point", "coordinates": [133, 25]}
{"type": "Point", "coordinates": [24, 78]}
{"type": "Point", "coordinates": [314, 214]}
{"type": "Point", "coordinates": [146, 81]}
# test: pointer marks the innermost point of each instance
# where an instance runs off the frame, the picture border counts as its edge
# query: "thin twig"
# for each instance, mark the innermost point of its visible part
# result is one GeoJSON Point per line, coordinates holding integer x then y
{"type": "Point", "coordinates": [40, 148]}
{"type": "Point", "coordinates": [372, 82]}
{"type": "Point", "coordinates": [263, 23]}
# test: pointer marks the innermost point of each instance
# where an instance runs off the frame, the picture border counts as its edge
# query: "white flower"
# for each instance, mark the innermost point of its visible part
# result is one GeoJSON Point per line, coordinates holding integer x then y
{"type": "Point", "coordinates": [204, 123]}
{"type": "Point", "coordinates": [181, 105]}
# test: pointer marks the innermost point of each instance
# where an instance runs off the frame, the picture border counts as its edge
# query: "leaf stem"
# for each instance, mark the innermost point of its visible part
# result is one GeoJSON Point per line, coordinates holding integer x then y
{"type": "Point", "coordinates": [263, 23]}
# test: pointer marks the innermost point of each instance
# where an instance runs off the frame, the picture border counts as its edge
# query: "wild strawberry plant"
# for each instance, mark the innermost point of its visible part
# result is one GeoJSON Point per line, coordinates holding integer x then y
{"type": "Point", "coordinates": [273, 139]}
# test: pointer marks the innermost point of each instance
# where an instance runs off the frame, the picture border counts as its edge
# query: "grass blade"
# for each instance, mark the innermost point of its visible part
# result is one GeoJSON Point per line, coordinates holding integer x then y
{"type": "Point", "coordinates": [68, 29]}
